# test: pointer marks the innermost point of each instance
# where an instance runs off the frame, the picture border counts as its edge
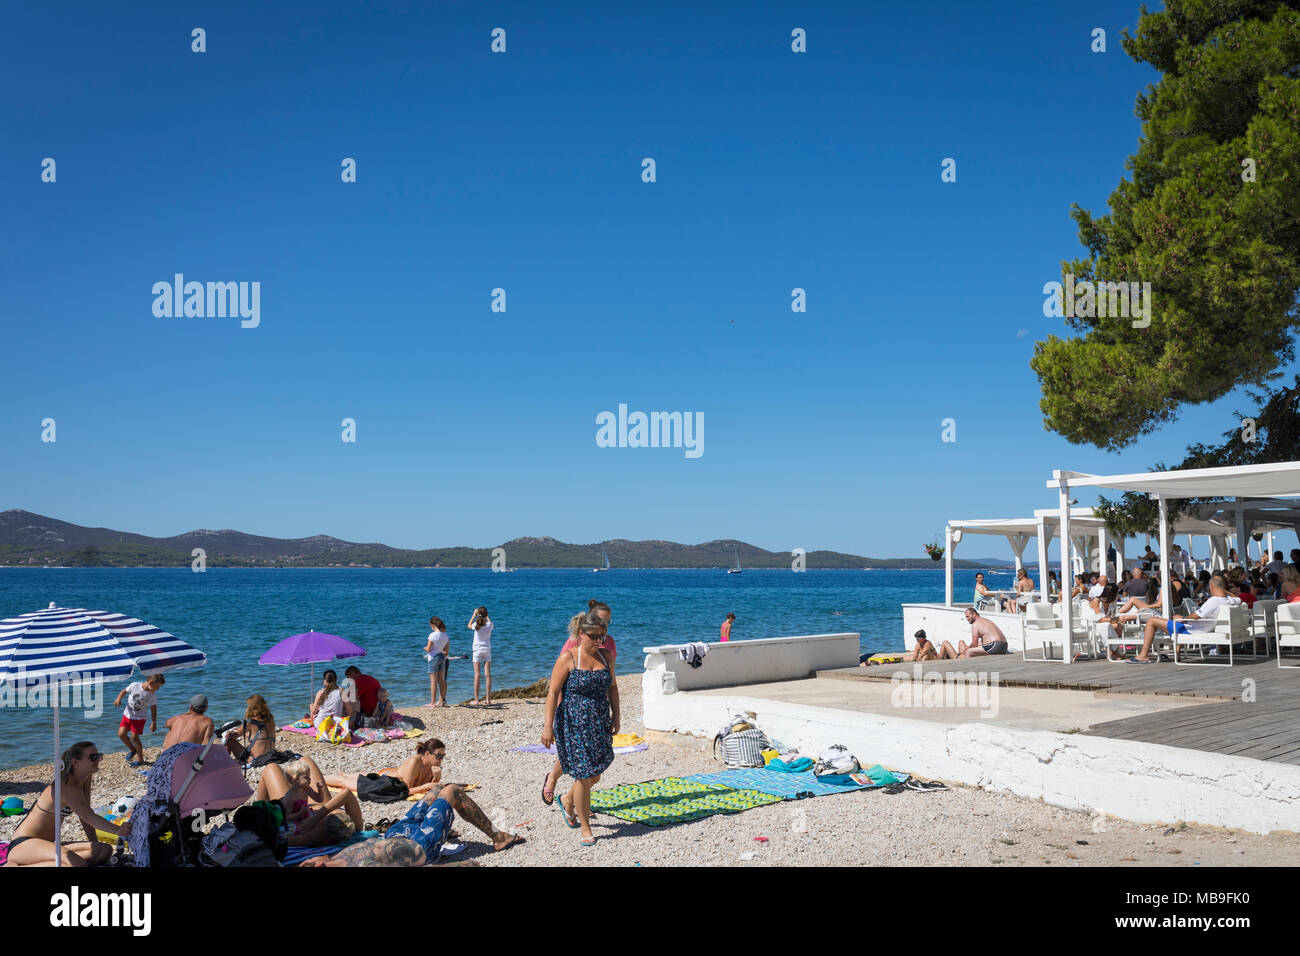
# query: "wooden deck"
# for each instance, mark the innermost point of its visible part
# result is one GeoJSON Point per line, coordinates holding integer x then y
{"type": "Point", "coordinates": [1252, 709]}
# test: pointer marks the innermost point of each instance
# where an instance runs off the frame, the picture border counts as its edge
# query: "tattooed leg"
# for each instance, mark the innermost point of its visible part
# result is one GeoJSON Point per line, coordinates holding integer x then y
{"type": "Point", "coordinates": [471, 811]}
{"type": "Point", "coordinates": [389, 851]}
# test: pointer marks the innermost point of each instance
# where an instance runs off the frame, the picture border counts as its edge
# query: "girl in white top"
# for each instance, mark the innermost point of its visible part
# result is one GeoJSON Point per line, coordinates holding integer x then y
{"type": "Point", "coordinates": [481, 625]}
{"type": "Point", "coordinates": [329, 700]}
{"type": "Point", "coordinates": [435, 652]}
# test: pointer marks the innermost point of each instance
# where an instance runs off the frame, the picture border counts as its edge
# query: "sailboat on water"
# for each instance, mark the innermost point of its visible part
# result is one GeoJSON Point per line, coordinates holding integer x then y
{"type": "Point", "coordinates": [736, 569]}
{"type": "Point", "coordinates": [606, 567]}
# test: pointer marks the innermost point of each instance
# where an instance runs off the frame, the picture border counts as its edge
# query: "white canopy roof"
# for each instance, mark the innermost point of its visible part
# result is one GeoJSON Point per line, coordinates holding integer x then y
{"type": "Point", "coordinates": [1081, 519]}
{"type": "Point", "coordinates": [1237, 481]}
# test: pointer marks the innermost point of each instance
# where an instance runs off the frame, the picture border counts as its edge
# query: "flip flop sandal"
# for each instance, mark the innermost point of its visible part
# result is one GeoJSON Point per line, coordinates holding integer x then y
{"type": "Point", "coordinates": [894, 788]}
{"type": "Point", "coordinates": [570, 822]}
{"type": "Point", "coordinates": [545, 791]}
{"type": "Point", "coordinates": [585, 842]}
{"type": "Point", "coordinates": [923, 785]}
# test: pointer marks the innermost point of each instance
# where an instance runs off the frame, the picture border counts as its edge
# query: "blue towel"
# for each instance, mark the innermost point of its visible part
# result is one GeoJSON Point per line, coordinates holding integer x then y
{"type": "Point", "coordinates": [782, 784]}
{"type": "Point", "coordinates": [297, 854]}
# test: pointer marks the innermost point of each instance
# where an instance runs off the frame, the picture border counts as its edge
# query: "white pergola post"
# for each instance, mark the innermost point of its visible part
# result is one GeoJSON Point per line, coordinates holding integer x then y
{"type": "Point", "coordinates": [1120, 560]}
{"type": "Point", "coordinates": [1164, 556]}
{"type": "Point", "coordinates": [1067, 579]}
{"type": "Point", "coordinates": [1243, 538]}
{"type": "Point", "coordinates": [947, 565]}
{"type": "Point", "coordinates": [1104, 551]}
{"type": "Point", "coordinates": [1044, 539]}
{"type": "Point", "coordinates": [1269, 539]}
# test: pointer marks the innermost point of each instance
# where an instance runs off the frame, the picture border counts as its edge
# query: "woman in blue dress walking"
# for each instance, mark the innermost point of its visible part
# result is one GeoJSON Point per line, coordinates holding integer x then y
{"type": "Point", "coordinates": [583, 725]}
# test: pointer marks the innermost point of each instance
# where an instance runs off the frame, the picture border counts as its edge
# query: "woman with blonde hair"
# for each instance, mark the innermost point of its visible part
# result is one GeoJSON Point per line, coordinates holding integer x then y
{"type": "Point", "coordinates": [33, 842]}
{"type": "Point", "coordinates": [601, 609]}
{"type": "Point", "coordinates": [583, 722]}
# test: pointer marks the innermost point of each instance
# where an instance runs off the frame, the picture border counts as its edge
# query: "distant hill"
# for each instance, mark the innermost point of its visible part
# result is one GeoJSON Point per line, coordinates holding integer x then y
{"type": "Point", "coordinates": [28, 539]}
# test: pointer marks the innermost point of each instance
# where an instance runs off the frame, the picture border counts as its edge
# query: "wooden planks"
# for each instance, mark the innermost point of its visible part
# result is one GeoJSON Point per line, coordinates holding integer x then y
{"type": "Point", "coordinates": [1264, 726]}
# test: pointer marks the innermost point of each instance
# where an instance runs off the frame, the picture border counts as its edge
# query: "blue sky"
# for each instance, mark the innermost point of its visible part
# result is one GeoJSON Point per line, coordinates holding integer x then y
{"type": "Point", "coordinates": [522, 171]}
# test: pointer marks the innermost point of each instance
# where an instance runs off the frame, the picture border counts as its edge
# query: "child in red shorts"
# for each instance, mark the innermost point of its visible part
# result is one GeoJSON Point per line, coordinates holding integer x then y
{"type": "Point", "coordinates": [139, 698]}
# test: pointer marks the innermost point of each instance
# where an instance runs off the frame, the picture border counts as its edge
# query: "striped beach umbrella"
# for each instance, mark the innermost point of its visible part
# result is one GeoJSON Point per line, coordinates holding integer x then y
{"type": "Point", "coordinates": [69, 647]}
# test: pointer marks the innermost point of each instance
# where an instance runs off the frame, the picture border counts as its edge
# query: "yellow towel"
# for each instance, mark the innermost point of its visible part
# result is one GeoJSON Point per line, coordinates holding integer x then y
{"type": "Point", "coordinates": [627, 740]}
{"type": "Point", "coordinates": [414, 733]}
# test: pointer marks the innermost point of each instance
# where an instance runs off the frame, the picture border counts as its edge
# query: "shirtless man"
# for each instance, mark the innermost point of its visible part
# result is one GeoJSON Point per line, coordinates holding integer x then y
{"type": "Point", "coordinates": [986, 638]}
{"type": "Point", "coordinates": [417, 839]}
{"type": "Point", "coordinates": [192, 727]}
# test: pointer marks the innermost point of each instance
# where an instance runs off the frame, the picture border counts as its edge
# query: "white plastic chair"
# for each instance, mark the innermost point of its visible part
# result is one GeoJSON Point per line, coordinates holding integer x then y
{"type": "Point", "coordinates": [1232, 626]}
{"type": "Point", "coordinates": [1286, 622]}
{"type": "Point", "coordinates": [1263, 620]}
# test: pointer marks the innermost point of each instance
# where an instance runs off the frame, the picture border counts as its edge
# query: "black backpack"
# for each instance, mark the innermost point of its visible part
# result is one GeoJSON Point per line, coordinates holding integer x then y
{"type": "Point", "coordinates": [227, 846]}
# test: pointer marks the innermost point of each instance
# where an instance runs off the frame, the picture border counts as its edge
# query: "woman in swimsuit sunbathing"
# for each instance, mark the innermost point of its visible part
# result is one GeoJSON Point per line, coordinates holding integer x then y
{"type": "Point", "coordinates": [33, 843]}
{"type": "Point", "coordinates": [256, 738]}
{"type": "Point", "coordinates": [316, 817]}
{"type": "Point", "coordinates": [420, 772]}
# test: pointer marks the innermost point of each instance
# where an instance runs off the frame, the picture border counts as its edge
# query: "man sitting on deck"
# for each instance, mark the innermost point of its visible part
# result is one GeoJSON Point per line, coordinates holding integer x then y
{"type": "Point", "coordinates": [986, 638]}
{"type": "Point", "coordinates": [1209, 613]}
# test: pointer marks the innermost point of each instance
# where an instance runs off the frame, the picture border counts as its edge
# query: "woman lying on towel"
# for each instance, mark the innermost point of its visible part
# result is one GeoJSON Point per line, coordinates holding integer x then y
{"type": "Point", "coordinates": [33, 842]}
{"type": "Point", "coordinates": [418, 773]}
{"type": "Point", "coordinates": [315, 816]}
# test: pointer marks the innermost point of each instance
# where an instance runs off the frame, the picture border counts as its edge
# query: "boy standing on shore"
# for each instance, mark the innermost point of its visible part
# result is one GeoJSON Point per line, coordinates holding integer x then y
{"type": "Point", "coordinates": [139, 697]}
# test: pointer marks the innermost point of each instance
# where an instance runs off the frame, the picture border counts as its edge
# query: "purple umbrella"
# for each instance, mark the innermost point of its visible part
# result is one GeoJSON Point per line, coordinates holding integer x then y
{"type": "Point", "coordinates": [311, 648]}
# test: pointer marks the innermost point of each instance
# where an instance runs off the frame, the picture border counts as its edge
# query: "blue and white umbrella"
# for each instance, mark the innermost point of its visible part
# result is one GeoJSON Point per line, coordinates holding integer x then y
{"type": "Point", "coordinates": [67, 647]}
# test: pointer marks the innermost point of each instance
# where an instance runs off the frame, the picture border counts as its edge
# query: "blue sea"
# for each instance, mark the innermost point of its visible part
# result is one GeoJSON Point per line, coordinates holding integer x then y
{"type": "Point", "coordinates": [233, 615]}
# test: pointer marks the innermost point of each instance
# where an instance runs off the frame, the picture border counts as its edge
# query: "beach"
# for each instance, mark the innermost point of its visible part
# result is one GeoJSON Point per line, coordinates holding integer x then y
{"type": "Point", "coordinates": [962, 825]}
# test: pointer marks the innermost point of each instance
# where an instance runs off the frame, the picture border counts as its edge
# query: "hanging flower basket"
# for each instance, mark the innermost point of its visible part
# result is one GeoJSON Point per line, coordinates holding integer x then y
{"type": "Point", "coordinates": [934, 551]}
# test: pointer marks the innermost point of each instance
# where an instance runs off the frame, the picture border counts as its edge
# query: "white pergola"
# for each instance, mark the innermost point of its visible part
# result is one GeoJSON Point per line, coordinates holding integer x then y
{"type": "Point", "coordinates": [1247, 484]}
{"type": "Point", "coordinates": [1018, 532]}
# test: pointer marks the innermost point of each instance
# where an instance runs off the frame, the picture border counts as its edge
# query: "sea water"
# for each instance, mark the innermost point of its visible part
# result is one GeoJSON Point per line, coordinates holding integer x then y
{"type": "Point", "coordinates": [234, 615]}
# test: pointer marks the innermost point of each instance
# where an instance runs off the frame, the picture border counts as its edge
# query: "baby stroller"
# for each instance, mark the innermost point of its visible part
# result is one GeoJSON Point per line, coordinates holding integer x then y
{"type": "Point", "coordinates": [187, 784]}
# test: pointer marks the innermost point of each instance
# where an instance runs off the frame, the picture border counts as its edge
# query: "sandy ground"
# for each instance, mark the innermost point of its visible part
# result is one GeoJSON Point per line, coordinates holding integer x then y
{"type": "Point", "coordinates": [959, 826]}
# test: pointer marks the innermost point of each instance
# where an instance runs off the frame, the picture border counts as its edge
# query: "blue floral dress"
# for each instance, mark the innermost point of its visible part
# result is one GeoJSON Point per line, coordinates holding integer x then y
{"type": "Point", "coordinates": [582, 724]}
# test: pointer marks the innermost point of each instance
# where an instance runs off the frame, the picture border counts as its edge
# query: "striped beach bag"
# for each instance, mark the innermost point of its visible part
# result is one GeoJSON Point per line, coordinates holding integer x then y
{"type": "Point", "coordinates": [741, 744]}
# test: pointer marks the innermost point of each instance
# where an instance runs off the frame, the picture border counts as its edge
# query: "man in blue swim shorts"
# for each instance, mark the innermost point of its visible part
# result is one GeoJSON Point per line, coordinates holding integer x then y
{"type": "Point", "coordinates": [417, 838]}
{"type": "Point", "coordinates": [1204, 620]}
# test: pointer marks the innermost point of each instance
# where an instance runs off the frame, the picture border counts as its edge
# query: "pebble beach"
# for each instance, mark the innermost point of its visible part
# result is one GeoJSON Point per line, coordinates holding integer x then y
{"type": "Point", "coordinates": [962, 825]}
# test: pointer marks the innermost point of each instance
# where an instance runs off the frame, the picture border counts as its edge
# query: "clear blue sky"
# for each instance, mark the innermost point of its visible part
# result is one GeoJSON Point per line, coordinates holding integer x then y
{"type": "Point", "coordinates": [775, 170]}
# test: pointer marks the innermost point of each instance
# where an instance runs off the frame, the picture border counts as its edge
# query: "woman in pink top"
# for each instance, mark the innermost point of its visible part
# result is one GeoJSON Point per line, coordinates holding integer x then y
{"type": "Point", "coordinates": [726, 627]}
{"type": "Point", "coordinates": [611, 651]}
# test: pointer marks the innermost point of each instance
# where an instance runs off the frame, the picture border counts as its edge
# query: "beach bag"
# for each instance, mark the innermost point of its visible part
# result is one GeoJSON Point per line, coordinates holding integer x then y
{"type": "Point", "coordinates": [332, 731]}
{"type": "Point", "coordinates": [742, 748]}
{"type": "Point", "coordinates": [227, 847]}
{"type": "Point", "coordinates": [836, 761]}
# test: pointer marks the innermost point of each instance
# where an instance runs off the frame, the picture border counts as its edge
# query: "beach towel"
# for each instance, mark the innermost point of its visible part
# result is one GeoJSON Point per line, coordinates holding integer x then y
{"type": "Point", "coordinates": [674, 800]}
{"type": "Point", "coordinates": [627, 740]}
{"type": "Point", "coordinates": [311, 731]}
{"type": "Point", "coordinates": [297, 854]}
{"type": "Point", "coordinates": [790, 786]}
{"type": "Point", "coordinates": [539, 749]}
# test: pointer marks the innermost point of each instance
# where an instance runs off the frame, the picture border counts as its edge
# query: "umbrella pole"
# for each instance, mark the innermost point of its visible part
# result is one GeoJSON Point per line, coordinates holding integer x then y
{"type": "Point", "coordinates": [58, 788]}
{"type": "Point", "coordinates": [311, 686]}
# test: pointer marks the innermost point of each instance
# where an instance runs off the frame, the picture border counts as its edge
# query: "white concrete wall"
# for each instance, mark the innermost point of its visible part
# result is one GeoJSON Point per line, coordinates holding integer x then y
{"type": "Point", "coordinates": [1146, 783]}
{"type": "Point", "coordinates": [752, 662]}
{"type": "Point", "coordinates": [949, 624]}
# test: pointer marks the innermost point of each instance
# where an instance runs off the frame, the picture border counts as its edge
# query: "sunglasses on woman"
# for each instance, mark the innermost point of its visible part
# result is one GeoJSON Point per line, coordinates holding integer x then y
{"type": "Point", "coordinates": [94, 758]}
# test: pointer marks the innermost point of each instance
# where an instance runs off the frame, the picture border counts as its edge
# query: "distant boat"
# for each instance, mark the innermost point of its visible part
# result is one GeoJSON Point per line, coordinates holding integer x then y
{"type": "Point", "coordinates": [736, 569]}
{"type": "Point", "coordinates": [606, 567]}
